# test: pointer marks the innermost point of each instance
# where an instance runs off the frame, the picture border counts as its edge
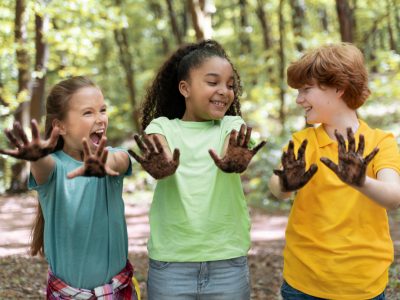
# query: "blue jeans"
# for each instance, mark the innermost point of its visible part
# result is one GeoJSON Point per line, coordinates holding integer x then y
{"type": "Point", "coordinates": [290, 293]}
{"type": "Point", "coordinates": [213, 280]}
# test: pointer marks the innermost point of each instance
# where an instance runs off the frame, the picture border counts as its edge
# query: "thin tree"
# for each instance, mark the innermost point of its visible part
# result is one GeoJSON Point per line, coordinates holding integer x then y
{"type": "Point", "coordinates": [41, 59]}
{"type": "Point", "coordinates": [392, 43]}
{"type": "Point", "coordinates": [298, 17]}
{"type": "Point", "coordinates": [267, 39]}
{"type": "Point", "coordinates": [244, 37]}
{"type": "Point", "coordinates": [201, 12]}
{"type": "Point", "coordinates": [282, 63]}
{"type": "Point", "coordinates": [174, 23]}
{"type": "Point", "coordinates": [157, 10]}
{"type": "Point", "coordinates": [19, 171]}
{"type": "Point", "coordinates": [126, 60]}
{"type": "Point", "coordinates": [346, 20]}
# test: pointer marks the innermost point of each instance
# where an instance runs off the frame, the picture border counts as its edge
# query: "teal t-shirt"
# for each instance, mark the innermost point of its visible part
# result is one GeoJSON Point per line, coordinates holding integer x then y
{"type": "Point", "coordinates": [85, 235]}
{"type": "Point", "coordinates": [199, 213]}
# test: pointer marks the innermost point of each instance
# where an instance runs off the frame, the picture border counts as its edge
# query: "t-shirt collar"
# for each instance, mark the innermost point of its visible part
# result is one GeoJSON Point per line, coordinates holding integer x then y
{"type": "Point", "coordinates": [324, 139]}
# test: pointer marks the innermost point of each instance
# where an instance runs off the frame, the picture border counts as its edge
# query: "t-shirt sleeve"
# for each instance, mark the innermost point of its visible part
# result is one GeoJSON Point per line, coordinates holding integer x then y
{"type": "Point", "coordinates": [388, 155]}
{"type": "Point", "coordinates": [235, 122]}
{"type": "Point", "coordinates": [32, 184]}
{"type": "Point", "coordinates": [156, 126]}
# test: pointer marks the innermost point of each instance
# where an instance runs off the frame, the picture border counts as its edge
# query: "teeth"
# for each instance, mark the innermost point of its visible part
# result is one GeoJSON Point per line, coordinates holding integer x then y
{"type": "Point", "coordinates": [219, 103]}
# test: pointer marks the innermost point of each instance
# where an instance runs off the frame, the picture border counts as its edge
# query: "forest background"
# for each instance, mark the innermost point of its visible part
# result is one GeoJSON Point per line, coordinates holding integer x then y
{"type": "Point", "coordinates": [121, 44]}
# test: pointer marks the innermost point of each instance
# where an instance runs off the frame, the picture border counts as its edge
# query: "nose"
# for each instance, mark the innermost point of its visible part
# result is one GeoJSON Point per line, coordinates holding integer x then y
{"type": "Point", "coordinates": [299, 98]}
{"type": "Point", "coordinates": [101, 118]}
{"type": "Point", "coordinates": [223, 90]}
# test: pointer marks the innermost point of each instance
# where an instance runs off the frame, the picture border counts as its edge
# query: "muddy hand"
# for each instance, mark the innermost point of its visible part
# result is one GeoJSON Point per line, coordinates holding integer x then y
{"type": "Point", "coordinates": [94, 164]}
{"type": "Point", "coordinates": [154, 159]}
{"type": "Point", "coordinates": [352, 166]}
{"type": "Point", "coordinates": [29, 150]}
{"type": "Point", "coordinates": [238, 155]}
{"type": "Point", "coordinates": [294, 176]}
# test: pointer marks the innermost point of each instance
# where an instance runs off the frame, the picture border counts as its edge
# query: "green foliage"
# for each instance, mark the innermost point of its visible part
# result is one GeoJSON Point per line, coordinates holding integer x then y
{"type": "Point", "coordinates": [81, 40]}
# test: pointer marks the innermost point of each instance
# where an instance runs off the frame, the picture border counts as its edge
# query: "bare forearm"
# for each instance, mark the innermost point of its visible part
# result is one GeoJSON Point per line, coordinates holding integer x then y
{"type": "Point", "coordinates": [118, 161]}
{"type": "Point", "coordinates": [42, 168]}
{"type": "Point", "coordinates": [275, 188]}
{"type": "Point", "coordinates": [386, 194]}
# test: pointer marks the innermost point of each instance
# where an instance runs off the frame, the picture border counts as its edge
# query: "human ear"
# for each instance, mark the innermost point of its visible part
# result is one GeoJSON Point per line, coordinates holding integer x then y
{"type": "Point", "coordinates": [60, 125]}
{"type": "Point", "coordinates": [184, 88]}
{"type": "Point", "coordinates": [340, 92]}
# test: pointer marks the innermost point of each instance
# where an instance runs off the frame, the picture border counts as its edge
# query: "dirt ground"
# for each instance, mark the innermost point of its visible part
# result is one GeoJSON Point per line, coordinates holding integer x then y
{"type": "Point", "coordinates": [24, 277]}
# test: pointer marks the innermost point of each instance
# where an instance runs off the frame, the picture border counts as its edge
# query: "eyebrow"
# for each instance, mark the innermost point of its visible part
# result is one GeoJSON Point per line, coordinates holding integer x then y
{"type": "Point", "coordinates": [217, 75]}
{"type": "Point", "coordinates": [91, 107]}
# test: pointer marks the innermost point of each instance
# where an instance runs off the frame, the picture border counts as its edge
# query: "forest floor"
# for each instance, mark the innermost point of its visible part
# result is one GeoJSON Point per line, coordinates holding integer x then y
{"type": "Point", "coordinates": [24, 277]}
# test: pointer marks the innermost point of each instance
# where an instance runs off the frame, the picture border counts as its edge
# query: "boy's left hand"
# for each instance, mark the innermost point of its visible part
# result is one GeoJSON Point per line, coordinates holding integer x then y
{"type": "Point", "coordinates": [238, 155]}
{"type": "Point", "coordinates": [94, 163]}
{"type": "Point", "coordinates": [352, 166]}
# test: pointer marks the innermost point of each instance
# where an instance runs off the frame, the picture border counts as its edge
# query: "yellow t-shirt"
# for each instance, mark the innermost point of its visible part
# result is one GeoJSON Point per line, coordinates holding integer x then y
{"type": "Point", "coordinates": [338, 244]}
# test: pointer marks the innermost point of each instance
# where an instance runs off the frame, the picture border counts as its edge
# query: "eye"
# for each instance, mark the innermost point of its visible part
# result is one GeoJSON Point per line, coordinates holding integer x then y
{"type": "Point", "coordinates": [231, 86]}
{"type": "Point", "coordinates": [87, 113]}
{"type": "Point", "coordinates": [212, 83]}
{"type": "Point", "coordinates": [103, 110]}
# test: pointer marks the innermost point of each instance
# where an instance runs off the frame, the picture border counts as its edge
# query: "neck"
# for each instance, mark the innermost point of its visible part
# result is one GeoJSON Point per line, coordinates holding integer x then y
{"type": "Point", "coordinates": [341, 122]}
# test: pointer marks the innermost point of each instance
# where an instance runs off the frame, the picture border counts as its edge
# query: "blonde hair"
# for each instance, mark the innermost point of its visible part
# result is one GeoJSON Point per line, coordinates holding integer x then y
{"type": "Point", "coordinates": [338, 65]}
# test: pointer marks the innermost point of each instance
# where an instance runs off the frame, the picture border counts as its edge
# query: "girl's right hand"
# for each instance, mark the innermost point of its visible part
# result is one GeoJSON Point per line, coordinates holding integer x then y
{"type": "Point", "coordinates": [29, 150]}
{"type": "Point", "coordinates": [293, 176]}
{"type": "Point", "coordinates": [154, 159]}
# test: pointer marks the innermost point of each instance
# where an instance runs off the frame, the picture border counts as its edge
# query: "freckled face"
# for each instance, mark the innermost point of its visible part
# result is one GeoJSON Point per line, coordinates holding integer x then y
{"type": "Point", "coordinates": [86, 118]}
{"type": "Point", "coordinates": [209, 90]}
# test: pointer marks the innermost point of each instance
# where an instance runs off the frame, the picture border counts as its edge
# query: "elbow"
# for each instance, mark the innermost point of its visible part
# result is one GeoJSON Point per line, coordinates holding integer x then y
{"type": "Point", "coordinates": [394, 206]}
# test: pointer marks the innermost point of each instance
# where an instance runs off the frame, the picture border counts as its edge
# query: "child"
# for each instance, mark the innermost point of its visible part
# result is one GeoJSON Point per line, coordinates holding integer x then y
{"type": "Point", "coordinates": [338, 244]}
{"type": "Point", "coordinates": [80, 225]}
{"type": "Point", "coordinates": [199, 236]}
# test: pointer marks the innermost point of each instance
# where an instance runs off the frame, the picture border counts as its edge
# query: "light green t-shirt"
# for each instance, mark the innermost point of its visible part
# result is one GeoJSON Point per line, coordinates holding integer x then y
{"type": "Point", "coordinates": [199, 213]}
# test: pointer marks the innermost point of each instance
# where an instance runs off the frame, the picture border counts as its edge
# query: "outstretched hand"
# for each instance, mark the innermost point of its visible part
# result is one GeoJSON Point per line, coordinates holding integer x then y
{"type": "Point", "coordinates": [238, 155]}
{"type": "Point", "coordinates": [154, 159]}
{"type": "Point", "coordinates": [293, 176]}
{"type": "Point", "coordinates": [29, 150]}
{"type": "Point", "coordinates": [94, 164]}
{"type": "Point", "coordinates": [352, 166]}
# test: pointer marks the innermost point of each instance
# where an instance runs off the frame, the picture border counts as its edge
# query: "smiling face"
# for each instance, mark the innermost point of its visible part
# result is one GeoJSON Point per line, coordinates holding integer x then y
{"type": "Point", "coordinates": [319, 103]}
{"type": "Point", "coordinates": [86, 118]}
{"type": "Point", "coordinates": [208, 91]}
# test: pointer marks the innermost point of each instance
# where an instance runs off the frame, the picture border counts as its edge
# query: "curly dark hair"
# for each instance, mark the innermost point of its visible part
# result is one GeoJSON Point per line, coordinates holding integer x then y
{"type": "Point", "coordinates": [163, 98]}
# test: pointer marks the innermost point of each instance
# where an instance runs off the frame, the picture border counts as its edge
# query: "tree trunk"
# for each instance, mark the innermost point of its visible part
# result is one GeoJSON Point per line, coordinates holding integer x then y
{"type": "Point", "coordinates": [298, 17]}
{"type": "Point", "coordinates": [265, 27]}
{"type": "Point", "coordinates": [245, 43]}
{"type": "Point", "coordinates": [282, 68]}
{"type": "Point", "coordinates": [19, 176]}
{"type": "Point", "coordinates": [174, 23]}
{"type": "Point", "coordinates": [324, 18]}
{"type": "Point", "coordinates": [156, 8]}
{"type": "Point", "coordinates": [346, 20]}
{"type": "Point", "coordinates": [126, 60]}
{"type": "Point", "coordinates": [201, 12]}
{"type": "Point", "coordinates": [392, 42]}
{"type": "Point", "coordinates": [39, 79]}
{"type": "Point", "coordinates": [266, 32]}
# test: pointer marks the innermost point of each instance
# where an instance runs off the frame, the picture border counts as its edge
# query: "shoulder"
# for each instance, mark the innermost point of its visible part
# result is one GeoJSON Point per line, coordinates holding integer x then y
{"type": "Point", "coordinates": [376, 135]}
{"type": "Point", "coordinates": [158, 125]}
{"type": "Point", "coordinates": [233, 122]}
